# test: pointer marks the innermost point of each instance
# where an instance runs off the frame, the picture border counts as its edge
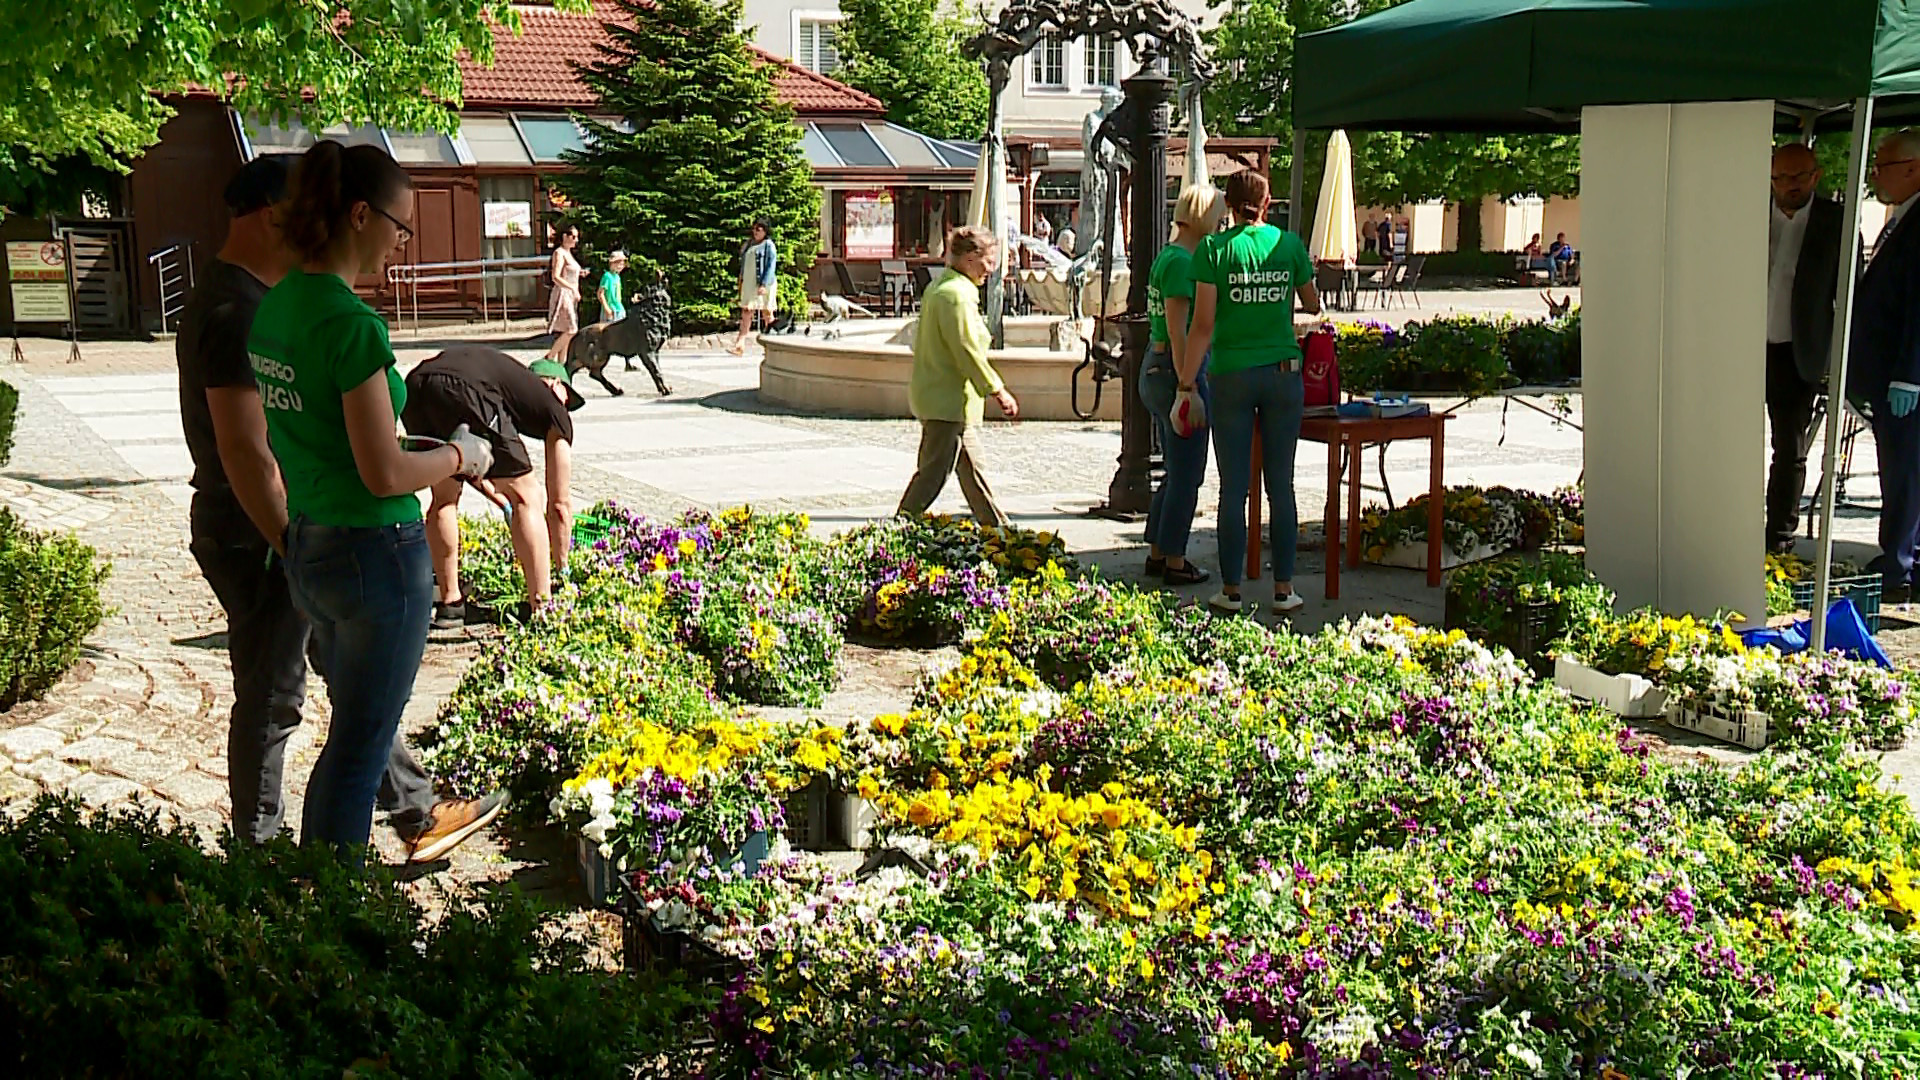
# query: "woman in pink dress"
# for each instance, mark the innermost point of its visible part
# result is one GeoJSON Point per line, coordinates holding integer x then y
{"type": "Point", "coordinates": [563, 304]}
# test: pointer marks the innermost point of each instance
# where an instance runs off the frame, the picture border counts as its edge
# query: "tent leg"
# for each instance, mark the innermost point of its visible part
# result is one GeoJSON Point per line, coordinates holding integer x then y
{"type": "Point", "coordinates": [1297, 185]}
{"type": "Point", "coordinates": [1857, 155]}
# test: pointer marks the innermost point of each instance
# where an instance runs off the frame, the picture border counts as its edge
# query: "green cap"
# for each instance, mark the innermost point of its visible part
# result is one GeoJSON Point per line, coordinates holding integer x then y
{"type": "Point", "coordinates": [553, 369]}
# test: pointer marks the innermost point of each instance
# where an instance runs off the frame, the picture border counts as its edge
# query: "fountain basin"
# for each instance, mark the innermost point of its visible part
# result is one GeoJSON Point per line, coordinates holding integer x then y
{"type": "Point", "coordinates": [865, 371]}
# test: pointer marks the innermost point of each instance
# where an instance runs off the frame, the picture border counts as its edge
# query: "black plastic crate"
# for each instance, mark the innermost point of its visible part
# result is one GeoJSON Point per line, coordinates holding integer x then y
{"type": "Point", "coordinates": [806, 827]}
{"type": "Point", "coordinates": [644, 945]}
{"type": "Point", "coordinates": [1862, 589]}
{"type": "Point", "coordinates": [1533, 629]}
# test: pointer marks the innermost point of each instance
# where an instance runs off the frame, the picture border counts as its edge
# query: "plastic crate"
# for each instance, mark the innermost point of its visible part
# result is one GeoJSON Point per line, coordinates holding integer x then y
{"type": "Point", "coordinates": [596, 872]}
{"type": "Point", "coordinates": [588, 529]}
{"type": "Point", "coordinates": [806, 817]}
{"type": "Point", "coordinates": [1622, 695]}
{"type": "Point", "coordinates": [1534, 627]}
{"type": "Point", "coordinates": [644, 945]}
{"type": "Point", "coordinates": [1862, 589]}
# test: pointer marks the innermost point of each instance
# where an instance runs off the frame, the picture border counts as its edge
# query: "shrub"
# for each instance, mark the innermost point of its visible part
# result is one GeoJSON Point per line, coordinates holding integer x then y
{"type": "Point", "coordinates": [49, 603]}
{"type": "Point", "coordinates": [9, 410]}
{"type": "Point", "coordinates": [132, 951]}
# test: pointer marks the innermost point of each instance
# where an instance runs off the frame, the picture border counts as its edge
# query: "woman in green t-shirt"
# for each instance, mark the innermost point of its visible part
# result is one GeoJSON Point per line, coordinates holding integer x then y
{"type": "Point", "coordinates": [1169, 309]}
{"type": "Point", "coordinates": [356, 550]}
{"type": "Point", "coordinates": [1244, 284]}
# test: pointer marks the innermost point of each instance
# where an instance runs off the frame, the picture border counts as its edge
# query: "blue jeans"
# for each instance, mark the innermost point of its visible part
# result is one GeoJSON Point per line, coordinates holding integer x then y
{"type": "Point", "coordinates": [369, 594]}
{"type": "Point", "coordinates": [1268, 399]}
{"type": "Point", "coordinates": [1170, 516]}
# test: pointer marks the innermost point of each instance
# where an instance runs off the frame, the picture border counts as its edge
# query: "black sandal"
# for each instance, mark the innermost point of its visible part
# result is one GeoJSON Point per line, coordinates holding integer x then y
{"type": "Point", "coordinates": [1187, 574]}
{"type": "Point", "coordinates": [1156, 565]}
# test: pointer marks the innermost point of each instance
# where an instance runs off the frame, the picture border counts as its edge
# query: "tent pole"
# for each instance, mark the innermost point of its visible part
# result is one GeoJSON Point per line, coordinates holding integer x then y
{"type": "Point", "coordinates": [1857, 155]}
{"type": "Point", "coordinates": [1297, 185]}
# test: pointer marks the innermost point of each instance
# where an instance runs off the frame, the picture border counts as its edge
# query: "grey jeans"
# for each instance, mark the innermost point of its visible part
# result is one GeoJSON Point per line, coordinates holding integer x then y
{"type": "Point", "coordinates": [267, 640]}
{"type": "Point", "coordinates": [948, 447]}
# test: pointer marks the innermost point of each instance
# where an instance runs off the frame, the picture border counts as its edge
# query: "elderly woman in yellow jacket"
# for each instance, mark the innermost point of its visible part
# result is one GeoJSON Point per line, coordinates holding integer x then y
{"type": "Point", "coordinates": [952, 379]}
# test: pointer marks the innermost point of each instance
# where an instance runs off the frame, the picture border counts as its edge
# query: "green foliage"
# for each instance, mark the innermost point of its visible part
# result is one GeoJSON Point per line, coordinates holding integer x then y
{"type": "Point", "coordinates": [711, 150]}
{"type": "Point", "coordinates": [49, 603]}
{"type": "Point", "coordinates": [9, 412]}
{"type": "Point", "coordinates": [907, 54]}
{"type": "Point", "coordinates": [489, 575]}
{"type": "Point", "coordinates": [85, 77]}
{"type": "Point", "coordinates": [1461, 354]}
{"type": "Point", "coordinates": [33, 186]}
{"type": "Point", "coordinates": [132, 951]}
{"type": "Point", "coordinates": [1254, 96]}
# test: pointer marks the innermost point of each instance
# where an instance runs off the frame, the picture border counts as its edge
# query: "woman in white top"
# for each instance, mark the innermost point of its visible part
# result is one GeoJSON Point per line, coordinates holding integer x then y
{"type": "Point", "coordinates": [563, 304]}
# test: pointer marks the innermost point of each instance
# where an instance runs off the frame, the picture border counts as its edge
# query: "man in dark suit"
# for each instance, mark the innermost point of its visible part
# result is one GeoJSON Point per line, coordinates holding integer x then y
{"type": "Point", "coordinates": [1803, 253]}
{"type": "Point", "coordinates": [1883, 372]}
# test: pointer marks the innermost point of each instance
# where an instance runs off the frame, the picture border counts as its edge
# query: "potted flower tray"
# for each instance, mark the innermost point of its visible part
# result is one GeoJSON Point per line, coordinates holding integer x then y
{"type": "Point", "coordinates": [599, 874]}
{"type": "Point", "coordinates": [1414, 556]}
{"type": "Point", "coordinates": [821, 818]}
{"type": "Point", "coordinates": [1742, 726]}
{"type": "Point", "coordinates": [1622, 695]}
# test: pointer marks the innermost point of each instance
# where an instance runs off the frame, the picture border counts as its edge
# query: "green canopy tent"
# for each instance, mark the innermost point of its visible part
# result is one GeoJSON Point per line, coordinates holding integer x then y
{"type": "Point", "coordinates": [1499, 66]}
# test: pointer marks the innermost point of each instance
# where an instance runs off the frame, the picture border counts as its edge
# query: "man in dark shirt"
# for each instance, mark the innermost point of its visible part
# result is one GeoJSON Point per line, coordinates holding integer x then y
{"type": "Point", "coordinates": [501, 400]}
{"type": "Point", "coordinates": [239, 519]}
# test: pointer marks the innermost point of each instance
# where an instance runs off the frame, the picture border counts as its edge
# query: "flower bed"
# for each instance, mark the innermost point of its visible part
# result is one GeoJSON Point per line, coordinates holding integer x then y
{"type": "Point", "coordinates": [1458, 354]}
{"type": "Point", "coordinates": [1161, 845]}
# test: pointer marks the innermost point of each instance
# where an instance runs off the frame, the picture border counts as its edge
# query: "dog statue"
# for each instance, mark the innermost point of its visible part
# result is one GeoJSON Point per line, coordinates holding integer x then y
{"type": "Point", "coordinates": [839, 307]}
{"type": "Point", "coordinates": [1557, 310]}
{"type": "Point", "coordinates": [642, 333]}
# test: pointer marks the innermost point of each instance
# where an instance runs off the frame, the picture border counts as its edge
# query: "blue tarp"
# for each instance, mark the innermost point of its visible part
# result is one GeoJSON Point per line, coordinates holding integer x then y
{"type": "Point", "coordinates": [1846, 631]}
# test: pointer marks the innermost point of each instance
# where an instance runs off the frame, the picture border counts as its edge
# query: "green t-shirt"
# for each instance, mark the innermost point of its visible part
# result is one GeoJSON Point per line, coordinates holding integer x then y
{"type": "Point", "coordinates": [1172, 275]}
{"type": "Point", "coordinates": [312, 341]}
{"type": "Point", "coordinates": [1256, 268]}
{"type": "Point", "coordinates": [614, 304]}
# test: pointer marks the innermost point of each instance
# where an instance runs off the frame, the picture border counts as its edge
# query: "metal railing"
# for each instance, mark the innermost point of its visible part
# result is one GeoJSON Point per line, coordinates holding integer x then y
{"type": "Point", "coordinates": [407, 278]}
{"type": "Point", "coordinates": [173, 268]}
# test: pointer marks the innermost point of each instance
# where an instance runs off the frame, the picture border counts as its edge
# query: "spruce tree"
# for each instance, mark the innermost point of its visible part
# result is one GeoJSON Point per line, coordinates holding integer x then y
{"type": "Point", "coordinates": [709, 150]}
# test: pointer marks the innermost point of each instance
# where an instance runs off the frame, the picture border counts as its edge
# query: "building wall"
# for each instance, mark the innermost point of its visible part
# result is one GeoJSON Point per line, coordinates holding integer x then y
{"type": "Point", "coordinates": [174, 194]}
{"type": "Point", "coordinates": [1030, 109]}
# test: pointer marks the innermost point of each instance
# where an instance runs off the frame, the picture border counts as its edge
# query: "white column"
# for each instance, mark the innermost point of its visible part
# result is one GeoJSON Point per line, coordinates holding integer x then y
{"type": "Point", "coordinates": [1673, 336]}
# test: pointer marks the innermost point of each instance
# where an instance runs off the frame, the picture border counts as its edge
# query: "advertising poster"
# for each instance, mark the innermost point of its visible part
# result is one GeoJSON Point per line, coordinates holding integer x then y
{"type": "Point", "coordinates": [37, 280]}
{"type": "Point", "coordinates": [508, 219]}
{"type": "Point", "coordinates": [869, 224]}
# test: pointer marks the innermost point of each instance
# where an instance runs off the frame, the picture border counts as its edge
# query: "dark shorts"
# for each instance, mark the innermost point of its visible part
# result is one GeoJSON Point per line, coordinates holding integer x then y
{"type": "Point", "coordinates": [437, 404]}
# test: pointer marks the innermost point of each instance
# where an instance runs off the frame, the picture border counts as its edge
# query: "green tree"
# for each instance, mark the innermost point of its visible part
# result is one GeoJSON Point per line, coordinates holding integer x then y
{"type": "Point", "coordinates": [708, 149]}
{"type": "Point", "coordinates": [1254, 43]}
{"type": "Point", "coordinates": [907, 54]}
{"type": "Point", "coordinates": [81, 77]}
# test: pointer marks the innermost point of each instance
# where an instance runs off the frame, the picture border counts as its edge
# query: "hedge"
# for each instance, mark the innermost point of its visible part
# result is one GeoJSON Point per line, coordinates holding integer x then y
{"type": "Point", "coordinates": [49, 603]}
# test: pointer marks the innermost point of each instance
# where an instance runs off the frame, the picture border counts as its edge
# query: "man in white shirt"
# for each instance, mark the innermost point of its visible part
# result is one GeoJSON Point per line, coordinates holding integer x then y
{"type": "Point", "coordinates": [1883, 369]}
{"type": "Point", "coordinates": [1803, 246]}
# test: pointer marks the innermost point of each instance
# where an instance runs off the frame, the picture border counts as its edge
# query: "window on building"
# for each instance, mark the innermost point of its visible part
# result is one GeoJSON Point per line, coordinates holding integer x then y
{"type": "Point", "coordinates": [818, 46]}
{"type": "Point", "coordinates": [1050, 62]}
{"type": "Point", "coordinates": [1103, 63]}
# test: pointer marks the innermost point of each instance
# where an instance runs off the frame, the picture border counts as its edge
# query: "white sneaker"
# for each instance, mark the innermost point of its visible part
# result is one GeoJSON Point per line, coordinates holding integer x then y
{"type": "Point", "coordinates": [1288, 604]}
{"type": "Point", "coordinates": [1224, 604]}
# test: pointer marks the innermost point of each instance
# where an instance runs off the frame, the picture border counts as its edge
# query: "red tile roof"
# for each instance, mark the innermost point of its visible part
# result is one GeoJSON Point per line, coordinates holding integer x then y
{"type": "Point", "coordinates": [535, 70]}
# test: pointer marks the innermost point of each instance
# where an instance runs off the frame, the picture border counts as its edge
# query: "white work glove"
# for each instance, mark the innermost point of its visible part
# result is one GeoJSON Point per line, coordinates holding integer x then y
{"type": "Point", "coordinates": [1189, 413]}
{"type": "Point", "coordinates": [476, 456]}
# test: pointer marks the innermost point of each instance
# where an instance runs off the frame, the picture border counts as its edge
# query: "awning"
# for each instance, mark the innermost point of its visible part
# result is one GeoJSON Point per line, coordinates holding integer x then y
{"type": "Point", "coordinates": [1531, 65]}
{"type": "Point", "coordinates": [515, 138]}
{"type": "Point", "coordinates": [878, 144]}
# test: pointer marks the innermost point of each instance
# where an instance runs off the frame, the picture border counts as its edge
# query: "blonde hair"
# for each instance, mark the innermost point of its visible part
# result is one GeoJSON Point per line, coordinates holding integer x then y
{"type": "Point", "coordinates": [1200, 206]}
{"type": "Point", "coordinates": [968, 239]}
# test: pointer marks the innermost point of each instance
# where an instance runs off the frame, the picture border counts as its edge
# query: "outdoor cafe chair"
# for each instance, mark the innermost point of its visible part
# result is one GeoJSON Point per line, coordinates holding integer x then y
{"type": "Point", "coordinates": [897, 281]}
{"type": "Point", "coordinates": [1331, 282]}
{"type": "Point", "coordinates": [851, 291]}
{"type": "Point", "coordinates": [1408, 281]}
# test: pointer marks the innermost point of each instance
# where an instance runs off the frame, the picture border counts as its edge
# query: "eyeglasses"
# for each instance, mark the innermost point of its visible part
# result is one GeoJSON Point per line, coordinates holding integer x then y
{"type": "Point", "coordinates": [1800, 177]}
{"type": "Point", "coordinates": [1878, 165]}
{"type": "Point", "coordinates": [406, 230]}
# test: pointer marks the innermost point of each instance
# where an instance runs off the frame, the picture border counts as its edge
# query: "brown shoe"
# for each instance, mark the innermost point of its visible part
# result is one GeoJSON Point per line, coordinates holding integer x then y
{"type": "Point", "coordinates": [453, 821]}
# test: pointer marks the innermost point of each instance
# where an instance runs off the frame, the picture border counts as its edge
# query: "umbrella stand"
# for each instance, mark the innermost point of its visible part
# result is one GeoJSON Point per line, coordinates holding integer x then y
{"type": "Point", "coordinates": [1857, 155]}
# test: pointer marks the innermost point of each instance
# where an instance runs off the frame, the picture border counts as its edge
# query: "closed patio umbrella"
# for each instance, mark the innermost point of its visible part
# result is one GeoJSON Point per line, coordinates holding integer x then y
{"type": "Point", "coordinates": [1335, 239]}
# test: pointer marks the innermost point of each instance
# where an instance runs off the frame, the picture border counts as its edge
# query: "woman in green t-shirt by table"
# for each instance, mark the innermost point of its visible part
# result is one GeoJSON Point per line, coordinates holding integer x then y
{"type": "Point", "coordinates": [1169, 311]}
{"type": "Point", "coordinates": [355, 547]}
{"type": "Point", "coordinates": [1244, 283]}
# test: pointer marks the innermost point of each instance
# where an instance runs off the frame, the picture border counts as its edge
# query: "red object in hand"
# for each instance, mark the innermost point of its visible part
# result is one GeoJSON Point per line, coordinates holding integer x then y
{"type": "Point", "coordinates": [1189, 413]}
{"type": "Point", "coordinates": [1320, 370]}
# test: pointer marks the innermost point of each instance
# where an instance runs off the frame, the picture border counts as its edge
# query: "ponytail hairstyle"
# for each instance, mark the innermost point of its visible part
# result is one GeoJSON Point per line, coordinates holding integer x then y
{"type": "Point", "coordinates": [330, 179]}
{"type": "Point", "coordinates": [1247, 194]}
